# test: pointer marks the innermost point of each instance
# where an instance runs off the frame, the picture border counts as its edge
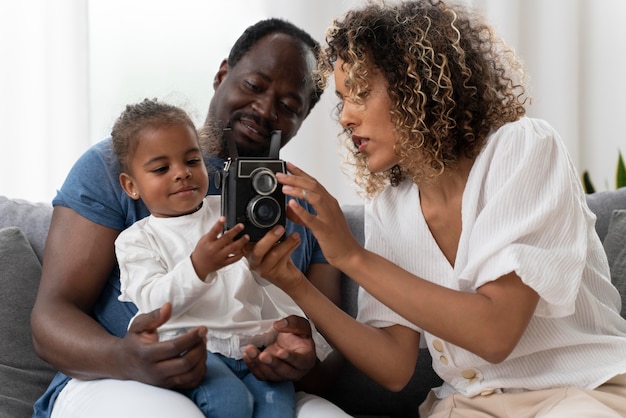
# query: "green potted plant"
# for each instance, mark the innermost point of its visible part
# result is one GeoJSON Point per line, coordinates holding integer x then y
{"type": "Point", "coordinates": [620, 176]}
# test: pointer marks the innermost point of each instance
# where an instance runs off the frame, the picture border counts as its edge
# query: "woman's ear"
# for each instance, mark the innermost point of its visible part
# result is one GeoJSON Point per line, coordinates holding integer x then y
{"type": "Point", "coordinates": [128, 185]}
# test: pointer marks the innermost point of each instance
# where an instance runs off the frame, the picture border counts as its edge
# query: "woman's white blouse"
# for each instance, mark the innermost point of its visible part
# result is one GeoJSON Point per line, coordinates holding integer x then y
{"type": "Point", "coordinates": [523, 210]}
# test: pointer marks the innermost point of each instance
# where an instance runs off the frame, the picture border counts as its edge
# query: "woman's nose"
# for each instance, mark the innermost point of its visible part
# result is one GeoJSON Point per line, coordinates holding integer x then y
{"type": "Point", "coordinates": [347, 117]}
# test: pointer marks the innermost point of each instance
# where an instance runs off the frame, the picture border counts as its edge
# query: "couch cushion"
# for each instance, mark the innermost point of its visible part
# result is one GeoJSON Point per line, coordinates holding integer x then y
{"type": "Point", "coordinates": [602, 204]}
{"type": "Point", "coordinates": [23, 375]}
{"type": "Point", "coordinates": [32, 218]}
{"type": "Point", "coordinates": [615, 247]}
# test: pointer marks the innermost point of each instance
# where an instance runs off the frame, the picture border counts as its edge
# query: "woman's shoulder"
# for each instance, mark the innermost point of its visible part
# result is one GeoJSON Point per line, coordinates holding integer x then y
{"type": "Point", "coordinates": [526, 129]}
{"type": "Point", "coordinates": [523, 136]}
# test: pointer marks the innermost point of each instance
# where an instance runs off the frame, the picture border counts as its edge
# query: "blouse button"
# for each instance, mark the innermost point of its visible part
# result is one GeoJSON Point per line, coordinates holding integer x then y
{"type": "Point", "coordinates": [468, 374]}
{"type": "Point", "coordinates": [438, 345]}
{"type": "Point", "coordinates": [443, 360]}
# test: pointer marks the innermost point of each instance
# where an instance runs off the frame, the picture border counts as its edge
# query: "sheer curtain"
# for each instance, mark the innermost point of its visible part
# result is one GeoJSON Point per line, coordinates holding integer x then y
{"type": "Point", "coordinates": [44, 115]}
{"type": "Point", "coordinates": [70, 66]}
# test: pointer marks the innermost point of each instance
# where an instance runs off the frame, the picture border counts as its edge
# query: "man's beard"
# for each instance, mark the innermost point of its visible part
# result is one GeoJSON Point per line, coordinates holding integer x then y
{"type": "Point", "coordinates": [212, 139]}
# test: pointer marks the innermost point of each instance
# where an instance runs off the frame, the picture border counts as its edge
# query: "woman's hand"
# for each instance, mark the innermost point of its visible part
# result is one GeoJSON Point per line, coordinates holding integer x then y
{"type": "Point", "coordinates": [328, 224]}
{"type": "Point", "coordinates": [272, 259]}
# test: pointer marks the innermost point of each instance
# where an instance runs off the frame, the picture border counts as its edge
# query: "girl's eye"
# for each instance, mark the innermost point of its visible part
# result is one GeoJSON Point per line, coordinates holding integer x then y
{"type": "Point", "coordinates": [193, 161]}
{"type": "Point", "coordinates": [160, 170]}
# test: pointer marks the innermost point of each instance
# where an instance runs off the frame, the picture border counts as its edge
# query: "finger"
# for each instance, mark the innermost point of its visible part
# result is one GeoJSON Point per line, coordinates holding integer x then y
{"type": "Point", "coordinates": [185, 369]}
{"type": "Point", "coordinates": [261, 371]}
{"type": "Point", "coordinates": [265, 244]}
{"type": "Point", "coordinates": [152, 320]}
{"type": "Point", "coordinates": [276, 252]}
{"type": "Point", "coordinates": [232, 233]}
{"type": "Point", "coordinates": [295, 325]}
{"type": "Point", "coordinates": [298, 179]}
{"type": "Point", "coordinates": [293, 169]}
{"type": "Point", "coordinates": [217, 228]}
{"type": "Point", "coordinates": [301, 215]}
{"type": "Point", "coordinates": [190, 340]}
{"type": "Point", "coordinates": [293, 217]}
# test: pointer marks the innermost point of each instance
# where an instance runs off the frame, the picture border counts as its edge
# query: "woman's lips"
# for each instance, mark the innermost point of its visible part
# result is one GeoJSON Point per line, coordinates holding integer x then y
{"type": "Point", "coordinates": [359, 142]}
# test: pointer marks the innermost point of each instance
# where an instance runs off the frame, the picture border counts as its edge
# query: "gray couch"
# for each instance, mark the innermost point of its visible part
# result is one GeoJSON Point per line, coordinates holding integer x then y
{"type": "Point", "coordinates": [23, 376]}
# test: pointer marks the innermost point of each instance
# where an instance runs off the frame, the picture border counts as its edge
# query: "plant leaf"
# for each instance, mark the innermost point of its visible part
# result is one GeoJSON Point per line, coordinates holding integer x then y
{"type": "Point", "coordinates": [621, 172]}
{"type": "Point", "coordinates": [587, 185]}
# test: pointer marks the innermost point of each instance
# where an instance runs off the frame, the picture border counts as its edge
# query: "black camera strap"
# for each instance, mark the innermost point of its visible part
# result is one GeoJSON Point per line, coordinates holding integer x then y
{"type": "Point", "coordinates": [274, 145]}
{"type": "Point", "coordinates": [274, 151]}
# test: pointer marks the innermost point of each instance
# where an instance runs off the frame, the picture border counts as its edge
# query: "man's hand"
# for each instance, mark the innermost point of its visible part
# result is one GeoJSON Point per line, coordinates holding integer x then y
{"type": "Point", "coordinates": [178, 363]}
{"type": "Point", "coordinates": [290, 357]}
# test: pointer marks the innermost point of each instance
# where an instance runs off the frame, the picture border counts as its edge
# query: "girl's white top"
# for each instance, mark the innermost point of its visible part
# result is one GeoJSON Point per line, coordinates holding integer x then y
{"type": "Point", "coordinates": [236, 305]}
{"type": "Point", "coordinates": [523, 210]}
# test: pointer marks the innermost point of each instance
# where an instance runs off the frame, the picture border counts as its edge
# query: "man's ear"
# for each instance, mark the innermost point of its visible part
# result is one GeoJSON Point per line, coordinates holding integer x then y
{"type": "Point", "coordinates": [128, 185]}
{"type": "Point", "coordinates": [221, 73]}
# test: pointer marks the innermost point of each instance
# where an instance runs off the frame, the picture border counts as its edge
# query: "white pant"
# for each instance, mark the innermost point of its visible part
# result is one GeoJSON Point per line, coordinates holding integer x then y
{"type": "Point", "coordinates": [107, 398]}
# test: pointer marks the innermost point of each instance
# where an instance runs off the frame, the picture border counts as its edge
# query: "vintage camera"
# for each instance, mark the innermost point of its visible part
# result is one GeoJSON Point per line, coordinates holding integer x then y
{"type": "Point", "coordinates": [250, 192]}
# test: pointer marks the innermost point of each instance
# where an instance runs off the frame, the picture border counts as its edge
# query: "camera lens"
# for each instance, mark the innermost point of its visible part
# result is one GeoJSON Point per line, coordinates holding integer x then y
{"type": "Point", "coordinates": [264, 211]}
{"type": "Point", "coordinates": [263, 181]}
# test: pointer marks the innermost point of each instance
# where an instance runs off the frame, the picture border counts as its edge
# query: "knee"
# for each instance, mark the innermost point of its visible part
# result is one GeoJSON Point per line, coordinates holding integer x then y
{"type": "Point", "coordinates": [231, 399]}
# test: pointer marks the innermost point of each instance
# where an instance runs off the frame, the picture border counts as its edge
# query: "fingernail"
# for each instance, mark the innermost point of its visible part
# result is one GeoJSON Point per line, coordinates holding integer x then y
{"type": "Point", "coordinates": [279, 230]}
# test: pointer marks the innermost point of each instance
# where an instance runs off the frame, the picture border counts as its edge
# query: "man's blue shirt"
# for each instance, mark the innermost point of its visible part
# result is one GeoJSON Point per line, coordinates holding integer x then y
{"type": "Point", "coordinates": [92, 189]}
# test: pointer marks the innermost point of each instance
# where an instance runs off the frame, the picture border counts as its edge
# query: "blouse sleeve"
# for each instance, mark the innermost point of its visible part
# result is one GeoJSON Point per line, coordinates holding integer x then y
{"type": "Point", "coordinates": [531, 217]}
{"type": "Point", "coordinates": [379, 229]}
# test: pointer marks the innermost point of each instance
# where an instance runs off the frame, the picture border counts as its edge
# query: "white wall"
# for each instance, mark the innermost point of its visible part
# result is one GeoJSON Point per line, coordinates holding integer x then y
{"type": "Point", "coordinates": [171, 50]}
{"type": "Point", "coordinates": [70, 66]}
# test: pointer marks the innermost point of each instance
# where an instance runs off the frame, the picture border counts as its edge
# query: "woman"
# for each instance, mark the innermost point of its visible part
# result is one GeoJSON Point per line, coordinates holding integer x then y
{"type": "Point", "coordinates": [478, 239]}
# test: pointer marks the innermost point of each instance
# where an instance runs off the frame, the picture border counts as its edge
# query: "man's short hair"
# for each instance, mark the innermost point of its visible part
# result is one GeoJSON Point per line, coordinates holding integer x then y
{"type": "Point", "coordinates": [265, 27]}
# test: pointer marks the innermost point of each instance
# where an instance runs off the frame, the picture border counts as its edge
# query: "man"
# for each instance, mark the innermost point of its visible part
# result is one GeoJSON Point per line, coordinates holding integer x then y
{"type": "Point", "coordinates": [79, 325]}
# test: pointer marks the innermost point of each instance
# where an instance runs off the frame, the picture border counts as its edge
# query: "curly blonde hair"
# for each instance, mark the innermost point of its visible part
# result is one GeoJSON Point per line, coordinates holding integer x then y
{"type": "Point", "coordinates": [451, 82]}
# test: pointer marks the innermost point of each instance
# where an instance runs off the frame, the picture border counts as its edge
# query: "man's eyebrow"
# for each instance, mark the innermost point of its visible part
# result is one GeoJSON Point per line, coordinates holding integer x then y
{"type": "Point", "coordinates": [269, 79]}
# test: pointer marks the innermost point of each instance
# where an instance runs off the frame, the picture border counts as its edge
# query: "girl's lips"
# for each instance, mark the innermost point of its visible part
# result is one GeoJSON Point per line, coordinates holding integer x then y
{"type": "Point", "coordinates": [185, 191]}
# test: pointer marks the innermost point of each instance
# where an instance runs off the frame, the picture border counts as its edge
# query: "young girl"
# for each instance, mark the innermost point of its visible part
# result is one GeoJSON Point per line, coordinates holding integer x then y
{"type": "Point", "coordinates": [179, 255]}
{"type": "Point", "coordinates": [479, 243]}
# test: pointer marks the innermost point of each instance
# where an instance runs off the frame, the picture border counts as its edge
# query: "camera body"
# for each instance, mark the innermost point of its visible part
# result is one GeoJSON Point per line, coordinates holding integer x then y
{"type": "Point", "coordinates": [251, 194]}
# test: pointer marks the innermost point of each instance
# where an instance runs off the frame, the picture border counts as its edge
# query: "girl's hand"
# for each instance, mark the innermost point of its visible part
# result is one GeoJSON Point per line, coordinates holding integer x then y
{"type": "Point", "coordinates": [215, 249]}
{"type": "Point", "coordinates": [329, 224]}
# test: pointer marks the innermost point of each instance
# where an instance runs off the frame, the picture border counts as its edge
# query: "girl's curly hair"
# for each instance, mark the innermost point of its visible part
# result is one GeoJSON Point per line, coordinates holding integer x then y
{"type": "Point", "coordinates": [139, 117]}
{"type": "Point", "coordinates": [451, 81]}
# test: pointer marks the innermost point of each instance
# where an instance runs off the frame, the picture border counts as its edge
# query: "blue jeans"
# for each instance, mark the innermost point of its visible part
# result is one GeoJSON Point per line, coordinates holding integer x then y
{"type": "Point", "coordinates": [229, 390]}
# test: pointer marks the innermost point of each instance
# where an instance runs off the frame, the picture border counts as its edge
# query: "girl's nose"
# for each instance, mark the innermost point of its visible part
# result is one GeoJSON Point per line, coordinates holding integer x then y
{"type": "Point", "coordinates": [185, 173]}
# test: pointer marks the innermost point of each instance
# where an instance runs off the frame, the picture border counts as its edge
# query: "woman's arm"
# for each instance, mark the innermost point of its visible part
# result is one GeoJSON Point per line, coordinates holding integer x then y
{"type": "Point", "coordinates": [366, 347]}
{"type": "Point", "coordinates": [488, 323]}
